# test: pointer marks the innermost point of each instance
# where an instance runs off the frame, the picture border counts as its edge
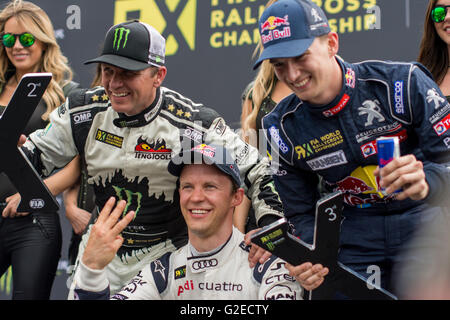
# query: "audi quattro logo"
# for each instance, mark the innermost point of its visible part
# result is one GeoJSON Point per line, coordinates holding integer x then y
{"type": "Point", "coordinates": [203, 264]}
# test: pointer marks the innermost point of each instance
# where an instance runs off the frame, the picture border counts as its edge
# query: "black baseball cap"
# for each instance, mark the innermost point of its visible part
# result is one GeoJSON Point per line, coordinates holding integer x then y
{"type": "Point", "coordinates": [132, 45]}
{"type": "Point", "coordinates": [207, 154]}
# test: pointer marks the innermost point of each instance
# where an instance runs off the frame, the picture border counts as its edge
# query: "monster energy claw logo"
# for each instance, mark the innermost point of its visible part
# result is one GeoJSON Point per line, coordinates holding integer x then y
{"type": "Point", "coordinates": [119, 34]}
{"type": "Point", "coordinates": [133, 199]}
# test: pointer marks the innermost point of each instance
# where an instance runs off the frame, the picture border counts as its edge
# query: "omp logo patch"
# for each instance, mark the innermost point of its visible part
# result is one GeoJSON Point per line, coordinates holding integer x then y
{"type": "Point", "coordinates": [109, 138]}
{"type": "Point", "coordinates": [80, 117]}
{"type": "Point", "coordinates": [174, 19]}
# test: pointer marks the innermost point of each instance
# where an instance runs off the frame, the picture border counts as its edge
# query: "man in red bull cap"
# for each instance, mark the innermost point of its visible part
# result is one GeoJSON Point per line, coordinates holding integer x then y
{"type": "Point", "coordinates": [213, 265]}
{"type": "Point", "coordinates": [324, 127]}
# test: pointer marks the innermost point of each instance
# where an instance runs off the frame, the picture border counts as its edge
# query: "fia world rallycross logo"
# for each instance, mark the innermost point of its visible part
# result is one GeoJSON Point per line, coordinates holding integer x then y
{"type": "Point", "coordinates": [120, 38]}
{"type": "Point", "coordinates": [174, 19]}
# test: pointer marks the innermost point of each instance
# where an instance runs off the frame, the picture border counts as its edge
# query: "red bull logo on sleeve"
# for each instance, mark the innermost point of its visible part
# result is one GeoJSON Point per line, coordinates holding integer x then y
{"type": "Point", "coordinates": [273, 27]}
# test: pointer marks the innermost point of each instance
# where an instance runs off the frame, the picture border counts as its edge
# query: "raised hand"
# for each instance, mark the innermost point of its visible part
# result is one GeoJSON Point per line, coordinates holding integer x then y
{"type": "Point", "coordinates": [105, 239]}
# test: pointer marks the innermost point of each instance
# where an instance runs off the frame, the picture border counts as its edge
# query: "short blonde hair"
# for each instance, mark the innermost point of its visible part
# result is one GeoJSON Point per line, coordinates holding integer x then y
{"type": "Point", "coordinates": [37, 22]}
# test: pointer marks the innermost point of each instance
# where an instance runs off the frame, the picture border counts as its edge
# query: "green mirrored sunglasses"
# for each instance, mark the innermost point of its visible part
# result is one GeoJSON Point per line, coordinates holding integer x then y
{"type": "Point", "coordinates": [26, 39]}
{"type": "Point", "coordinates": [439, 13]}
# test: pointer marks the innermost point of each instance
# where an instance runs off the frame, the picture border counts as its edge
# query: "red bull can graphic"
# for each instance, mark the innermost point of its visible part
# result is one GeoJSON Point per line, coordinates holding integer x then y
{"type": "Point", "coordinates": [388, 149]}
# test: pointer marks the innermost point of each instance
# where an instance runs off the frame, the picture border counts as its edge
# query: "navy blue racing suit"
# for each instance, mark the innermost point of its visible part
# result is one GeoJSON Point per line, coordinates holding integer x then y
{"type": "Point", "coordinates": [337, 142]}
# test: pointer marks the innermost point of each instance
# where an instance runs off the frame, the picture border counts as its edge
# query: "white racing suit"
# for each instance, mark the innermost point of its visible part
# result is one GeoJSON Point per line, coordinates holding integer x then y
{"type": "Point", "coordinates": [222, 274]}
{"type": "Point", "coordinates": [127, 158]}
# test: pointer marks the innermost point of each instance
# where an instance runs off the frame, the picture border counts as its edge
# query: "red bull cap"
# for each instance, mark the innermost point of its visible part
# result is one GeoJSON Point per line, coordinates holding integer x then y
{"type": "Point", "coordinates": [206, 154]}
{"type": "Point", "coordinates": [288, 28]}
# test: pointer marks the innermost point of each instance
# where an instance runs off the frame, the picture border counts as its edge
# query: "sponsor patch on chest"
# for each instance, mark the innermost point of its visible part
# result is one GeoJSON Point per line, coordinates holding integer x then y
{"type": "Point", "coordinates": [327, 161]}
{"type": "Point", "coordinates": [325, 142]}
{"type": "Point", "coordinates": [109, 138]}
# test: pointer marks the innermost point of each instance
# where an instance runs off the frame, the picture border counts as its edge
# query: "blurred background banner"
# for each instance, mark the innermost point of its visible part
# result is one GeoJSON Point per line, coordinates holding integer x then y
{"type": "Point", "coordinates": [210, 45]}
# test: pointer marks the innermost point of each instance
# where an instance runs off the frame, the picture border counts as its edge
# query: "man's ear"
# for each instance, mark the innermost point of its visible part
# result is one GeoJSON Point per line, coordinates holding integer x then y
{"type": "Point", "coordinates": [160, 76]}
{"type": "Point", "coordinates": [238, 197]}
{"type": "Point", "coordinates": [333, 43]}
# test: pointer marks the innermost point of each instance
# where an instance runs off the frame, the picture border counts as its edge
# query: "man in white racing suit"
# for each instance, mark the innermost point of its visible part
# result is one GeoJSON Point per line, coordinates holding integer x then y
{"type": "Point", "coordinates": [127, 132]}
{"type": "Point", "coordinates": [213, 265]}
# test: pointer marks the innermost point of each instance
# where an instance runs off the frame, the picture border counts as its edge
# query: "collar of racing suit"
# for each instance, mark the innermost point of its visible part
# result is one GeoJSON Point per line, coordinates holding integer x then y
{"type": "Point", "coordinates": [215, 258]}
{"type": "Point", "coordinates": [343, 98]}
{"type": "Point", "coordinates": [142, 118]}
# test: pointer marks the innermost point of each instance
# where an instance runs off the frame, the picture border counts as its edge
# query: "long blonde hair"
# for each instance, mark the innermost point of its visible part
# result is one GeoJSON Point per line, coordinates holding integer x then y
{"type": "Point", "coordinates": [37, 22]}
{"type": "Point", "coordinates": [262, 86]}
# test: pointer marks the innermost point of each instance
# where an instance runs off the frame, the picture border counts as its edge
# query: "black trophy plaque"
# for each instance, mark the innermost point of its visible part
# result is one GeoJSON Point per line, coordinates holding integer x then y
{"type": "Point", "coordinates": [324, 250]}
{"type": "Point", "coordinates": [34, 193]}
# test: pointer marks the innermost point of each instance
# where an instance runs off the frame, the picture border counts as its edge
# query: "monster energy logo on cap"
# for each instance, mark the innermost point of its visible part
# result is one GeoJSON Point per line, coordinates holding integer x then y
{"type": "Point", "coordinates": [132, 45]}
{"type": "Point", "coordinates": [119, 34]}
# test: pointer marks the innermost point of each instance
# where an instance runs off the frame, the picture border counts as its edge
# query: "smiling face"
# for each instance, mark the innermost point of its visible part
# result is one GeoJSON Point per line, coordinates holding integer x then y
{"type": "Point", "coordinates": [315, 75]}
{"type": "Point", "coordinates": [443, 28]}
{"type": "Point", "coordinates": [130, 92]}
{"type": "Point", "coordinates": [24, 59]}
{"type": "Point", "coordinates": [207, 202]}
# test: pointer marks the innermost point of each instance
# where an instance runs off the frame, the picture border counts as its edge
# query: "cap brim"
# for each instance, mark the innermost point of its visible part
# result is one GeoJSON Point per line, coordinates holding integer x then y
{"type": "Point", "coordinates": [121, 62]}
{"type": "Point", "coordinates": [285, 49]}
{"type": "Point", "coordinates": [177, 164]}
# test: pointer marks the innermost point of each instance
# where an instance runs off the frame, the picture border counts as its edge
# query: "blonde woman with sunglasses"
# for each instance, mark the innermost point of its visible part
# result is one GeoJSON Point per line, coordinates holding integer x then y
{"type": "Point", "coordinates": [31, 242]}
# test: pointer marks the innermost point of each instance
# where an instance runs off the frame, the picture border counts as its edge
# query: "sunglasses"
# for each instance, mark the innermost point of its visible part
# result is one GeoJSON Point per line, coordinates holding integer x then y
{"type": "Point", "coordinates": [439, 13]}
{"type": "Point", "coordinates": [26, 39]}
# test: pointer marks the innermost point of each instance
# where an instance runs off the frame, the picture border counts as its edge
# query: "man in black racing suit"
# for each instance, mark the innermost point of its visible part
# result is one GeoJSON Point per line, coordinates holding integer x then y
{"type": "Point", "coordinates": [127, 131]}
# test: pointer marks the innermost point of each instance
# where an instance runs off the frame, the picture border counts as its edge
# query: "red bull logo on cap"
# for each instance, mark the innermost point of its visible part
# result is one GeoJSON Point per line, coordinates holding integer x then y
{"type": "Point", "coordinates": [273, 22]}
{"type": "Point", "coordinates": [271, 25]}
{"type": "Point", "coordinates": [205, 150]}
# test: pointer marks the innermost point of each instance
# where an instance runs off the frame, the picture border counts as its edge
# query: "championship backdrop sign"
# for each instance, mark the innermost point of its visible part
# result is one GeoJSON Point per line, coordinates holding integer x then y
{"type": "Point", "coordinates": [210, 45]}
